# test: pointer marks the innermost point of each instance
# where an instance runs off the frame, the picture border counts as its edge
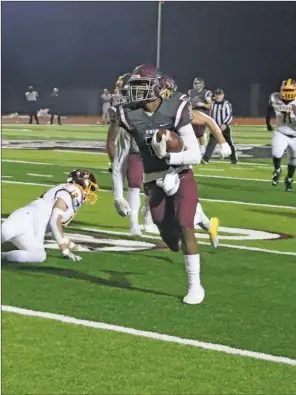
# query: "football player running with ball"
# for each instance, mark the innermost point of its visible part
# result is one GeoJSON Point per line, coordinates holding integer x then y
{"type": "Point", "coordinates": [200, 119]}
{"type": "Point", "coordinates": [26, 227]}
{"type": "Point", "coordinates": [283, 104]}
{"type": "Point", "coordinates": [168, 177]}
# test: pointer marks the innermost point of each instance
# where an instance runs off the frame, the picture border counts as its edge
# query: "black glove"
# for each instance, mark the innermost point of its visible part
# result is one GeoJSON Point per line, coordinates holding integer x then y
{"type": "Point", "coordinates": [269, 128]}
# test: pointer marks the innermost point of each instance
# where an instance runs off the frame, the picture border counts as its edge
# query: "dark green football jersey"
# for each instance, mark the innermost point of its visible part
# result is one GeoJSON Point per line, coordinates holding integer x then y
{"type": "Point", "coordinates": [172, 114]}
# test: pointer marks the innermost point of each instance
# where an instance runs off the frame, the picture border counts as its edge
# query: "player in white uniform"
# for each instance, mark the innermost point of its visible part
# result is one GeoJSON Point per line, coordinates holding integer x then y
{"type": "Point", "coordinates": [284, 135]}
{"type": "Point", "coordinates": [25, 228]}
{"type": "Point", "coordinates": [133, 171]}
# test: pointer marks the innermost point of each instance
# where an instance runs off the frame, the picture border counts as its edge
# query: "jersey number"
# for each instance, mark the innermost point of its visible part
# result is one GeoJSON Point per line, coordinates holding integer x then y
{"type": "Point", "coordinates": [287, 117]}
{"type": "Point", "coordinates": [148, 143]}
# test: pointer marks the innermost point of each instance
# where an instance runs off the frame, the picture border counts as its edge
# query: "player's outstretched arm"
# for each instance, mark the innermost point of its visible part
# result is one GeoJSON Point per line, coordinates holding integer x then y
{"type": "Point", "coordinates": [111, 141]}
{"type": "Point", "coordinates": [200, 118]}
{"type": "Point", "coordinates": [56, 226]}
{"type": "Point", "coordinates": [119, 169]}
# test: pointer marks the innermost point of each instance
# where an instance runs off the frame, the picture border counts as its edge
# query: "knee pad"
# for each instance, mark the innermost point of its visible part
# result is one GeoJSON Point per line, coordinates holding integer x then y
{"type": "Point", "coordinates": [6, 235]}
{"type": "Point", "coordinates": [37, 255]}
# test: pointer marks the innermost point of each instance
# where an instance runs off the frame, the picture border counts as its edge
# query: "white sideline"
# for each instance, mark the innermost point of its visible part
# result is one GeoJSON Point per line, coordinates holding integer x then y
{"type": "Point", "coordinates": [151, 335]}
{"type": "Point", "coordinates": [202, 199]}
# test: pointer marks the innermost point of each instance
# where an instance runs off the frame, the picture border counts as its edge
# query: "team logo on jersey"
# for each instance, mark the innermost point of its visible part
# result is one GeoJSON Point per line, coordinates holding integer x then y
{"type": "Point", "coordinates": [151, 132]}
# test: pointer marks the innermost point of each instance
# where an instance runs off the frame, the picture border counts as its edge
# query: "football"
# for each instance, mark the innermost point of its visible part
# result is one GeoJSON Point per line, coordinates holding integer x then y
{"type": "Point", "coordinates": [174, 141]}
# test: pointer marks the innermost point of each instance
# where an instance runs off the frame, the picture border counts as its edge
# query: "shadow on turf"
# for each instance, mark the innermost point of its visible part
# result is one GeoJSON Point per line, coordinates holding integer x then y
{"type": "Point", "coordinates": [116, 280]}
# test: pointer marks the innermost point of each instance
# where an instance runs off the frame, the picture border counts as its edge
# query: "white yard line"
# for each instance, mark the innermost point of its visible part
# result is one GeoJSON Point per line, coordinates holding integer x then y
{"type": "Point", "coordinates": [29, 163]}
{"type": "Point", "coordinates": [231, 178]}
{"type": "Point", "coordinates": [240, 163]}
{"type": "Point", "coordinates": [39, 175]}
{"type": "Point", "coordinates": [205, 200]}
{"type": "Point", "coordinates": [195, 174]}
{"type": "Point", "coordinates": [151, 335]}
{"type": "Point", "coordinates": [80, 152]}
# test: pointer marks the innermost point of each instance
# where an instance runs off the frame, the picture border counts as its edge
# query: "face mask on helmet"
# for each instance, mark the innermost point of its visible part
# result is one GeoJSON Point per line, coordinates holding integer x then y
{"type": "Point", "coordinates": [288, 90]}
{"type": "Point", "coordinates": [87, 182]}
{"type": "Point", "coordinates": [143, 89]}
{"type": "Point", "coordinates": [198, 84]}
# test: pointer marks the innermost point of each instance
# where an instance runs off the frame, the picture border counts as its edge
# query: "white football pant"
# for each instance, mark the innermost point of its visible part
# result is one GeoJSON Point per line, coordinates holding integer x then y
{"type": "Point", "coordinates": [25, 229]}
{"type": "Point", "coordinates": [280, 143]}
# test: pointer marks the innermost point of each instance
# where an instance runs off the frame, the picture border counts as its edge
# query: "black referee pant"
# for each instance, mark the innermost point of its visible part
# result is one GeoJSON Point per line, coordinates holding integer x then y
{"type": "Point", "coordinates": [227, 133]}
{"type": "Point", "coordinates": [32, 109]}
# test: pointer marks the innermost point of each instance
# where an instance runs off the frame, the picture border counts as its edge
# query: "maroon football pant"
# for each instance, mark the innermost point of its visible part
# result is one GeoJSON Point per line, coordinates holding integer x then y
{"type": "Point", "coordinates": [199, 130]}
{"type": "Point", "coordinates": [171, 214]}
{"type": "Point", "coordinates": [135, 171]}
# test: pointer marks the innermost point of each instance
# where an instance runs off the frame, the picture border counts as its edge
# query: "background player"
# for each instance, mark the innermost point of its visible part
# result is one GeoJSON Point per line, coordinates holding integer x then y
{"type": "Point", "coordinates": [25, 228]}
{"type": "Point", "coordinates": [201, 99]}
{"type": "Point", "coordinates": [133, 169]}
{"type": "Point", "coordinates": [283, 104]}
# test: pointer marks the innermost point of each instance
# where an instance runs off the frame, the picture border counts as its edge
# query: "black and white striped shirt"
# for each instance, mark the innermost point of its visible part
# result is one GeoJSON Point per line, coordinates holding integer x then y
{"type": "Point", "coordinates": [222, 112]}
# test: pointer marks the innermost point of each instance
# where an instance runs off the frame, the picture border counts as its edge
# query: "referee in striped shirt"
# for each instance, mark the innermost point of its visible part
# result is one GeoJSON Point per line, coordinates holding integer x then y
{"type": "Point", "coordinates": [222, 113]}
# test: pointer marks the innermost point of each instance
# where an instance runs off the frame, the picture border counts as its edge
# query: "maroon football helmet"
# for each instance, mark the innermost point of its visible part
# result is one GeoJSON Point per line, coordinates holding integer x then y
{"type": "Point", "coordinates": [145, 83]}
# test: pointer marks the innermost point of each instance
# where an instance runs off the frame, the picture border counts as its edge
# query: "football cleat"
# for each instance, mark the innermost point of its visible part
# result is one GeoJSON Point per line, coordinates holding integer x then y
{"type": "Point", "coordinates": [136, 231]}
{"type": "Point", "coordinates": [276, 177]}
{"type": "Point", "coordinates": [150, 228]}
{"type": "Point", "coordinates": [204, 162]}
{"type": "Point", "coordinates": [195, 295]}
{"type": "Point", "coordinates": [288, 184]}
{"type": "Point", "coordinates": [213, 232]}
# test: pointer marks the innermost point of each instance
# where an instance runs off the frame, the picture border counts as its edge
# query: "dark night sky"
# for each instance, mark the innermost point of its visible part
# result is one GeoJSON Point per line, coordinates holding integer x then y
{"type": "Point", "coordinates": [88, 44]}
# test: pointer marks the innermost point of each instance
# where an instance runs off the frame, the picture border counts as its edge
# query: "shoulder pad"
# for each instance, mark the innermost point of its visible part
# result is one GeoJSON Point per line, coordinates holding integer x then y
{"type": "Point", "coordinates": [275, 96]}
{"type": "Point", "coordinates": [73, 190]}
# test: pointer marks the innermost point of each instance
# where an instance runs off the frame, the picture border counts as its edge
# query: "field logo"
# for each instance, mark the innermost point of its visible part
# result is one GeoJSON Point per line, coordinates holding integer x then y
{"type": "Point", "coordinates": [111, 241]}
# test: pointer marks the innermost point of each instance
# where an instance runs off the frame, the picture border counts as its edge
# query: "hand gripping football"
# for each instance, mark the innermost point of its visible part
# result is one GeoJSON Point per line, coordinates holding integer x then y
{"type": "Point", "coordinates": [173, 140]}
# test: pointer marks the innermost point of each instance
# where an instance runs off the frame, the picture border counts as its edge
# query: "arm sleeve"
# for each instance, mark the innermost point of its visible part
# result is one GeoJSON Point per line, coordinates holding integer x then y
{"type": "Point", "coordinates": [119, 166]}
{"type": "Point", "coordinates": [228, 114]}
{"type": "Point", "coordinates": [191, 154]}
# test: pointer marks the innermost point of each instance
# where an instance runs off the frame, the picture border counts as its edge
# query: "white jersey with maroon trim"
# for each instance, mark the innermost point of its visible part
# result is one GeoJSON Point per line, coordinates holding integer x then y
{"type": "Point", "coordinates": [285, 114]}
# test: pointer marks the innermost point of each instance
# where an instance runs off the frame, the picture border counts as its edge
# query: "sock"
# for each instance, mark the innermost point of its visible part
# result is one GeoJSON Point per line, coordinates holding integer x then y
{"type": "Point", "coordinates": [202, 148]}
{"type": "Point", "coordinates": [135, 203]}
{"type": "Point", "coordinates": [277, 164]}
{"type": "Point", "coordinates": [147, 213]}
{"type": "Point", "coordinates": [291, 171]}
{"type": "Point", "coordinates": [192, 264]}
{"type": "Point", "coordinates": [201, 219]}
